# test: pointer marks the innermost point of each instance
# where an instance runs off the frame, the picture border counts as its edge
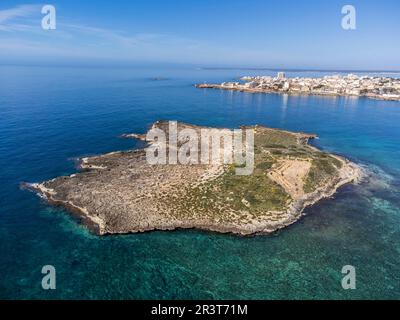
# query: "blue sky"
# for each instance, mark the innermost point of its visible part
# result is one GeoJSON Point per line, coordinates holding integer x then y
{"type": "Point", "coordinates": [265, 33]}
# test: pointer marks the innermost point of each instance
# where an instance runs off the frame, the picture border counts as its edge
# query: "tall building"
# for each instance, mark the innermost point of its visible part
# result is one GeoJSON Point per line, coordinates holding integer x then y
{"type": "Point", "coordinates": [281, 75]}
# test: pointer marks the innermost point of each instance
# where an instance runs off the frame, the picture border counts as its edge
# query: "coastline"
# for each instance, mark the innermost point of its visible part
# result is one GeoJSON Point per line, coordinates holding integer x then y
{"type": "Point", "coordinates": [301, 93]}
{"type": "Point", "coordinates": [94, 224]}
{"type": "Point", "coordinates": [378, 88]}
{"type": "Point", "coordinates": [97, 223]}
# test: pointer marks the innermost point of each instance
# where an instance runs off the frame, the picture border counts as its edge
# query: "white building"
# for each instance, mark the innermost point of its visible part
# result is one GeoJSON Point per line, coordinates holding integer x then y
{"type": "Point", "coordinates": [281, 75]}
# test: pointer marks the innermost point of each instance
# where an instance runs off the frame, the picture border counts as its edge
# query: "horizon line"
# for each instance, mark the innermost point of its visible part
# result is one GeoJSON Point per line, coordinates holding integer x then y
{"type": "Point", "coordinates": [303, 69]}
{"type": "Point", "coordinates": [197, 66]}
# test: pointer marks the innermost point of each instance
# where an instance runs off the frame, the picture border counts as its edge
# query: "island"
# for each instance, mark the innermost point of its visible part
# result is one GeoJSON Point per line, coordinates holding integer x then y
{"type": "Point", "coordinates": [381, 88]}
{"type": "Point", "coordinates": [121, 193]}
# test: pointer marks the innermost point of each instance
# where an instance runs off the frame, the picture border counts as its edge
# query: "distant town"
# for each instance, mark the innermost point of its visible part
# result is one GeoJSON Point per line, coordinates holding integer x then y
{"type": "Point", "coordinates": [351, 85]}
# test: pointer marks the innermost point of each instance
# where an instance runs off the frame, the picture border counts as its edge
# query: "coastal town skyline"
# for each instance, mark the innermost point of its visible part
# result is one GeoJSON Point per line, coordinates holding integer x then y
{"type": "Point", "coordinates": [269, 34]}
{"type": "Point", "coordinates": [382, 88]}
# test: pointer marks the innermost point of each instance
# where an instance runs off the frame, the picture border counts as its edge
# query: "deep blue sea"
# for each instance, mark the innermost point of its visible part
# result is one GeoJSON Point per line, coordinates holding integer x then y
{"type": "Point", "coordinates": [50, 116]}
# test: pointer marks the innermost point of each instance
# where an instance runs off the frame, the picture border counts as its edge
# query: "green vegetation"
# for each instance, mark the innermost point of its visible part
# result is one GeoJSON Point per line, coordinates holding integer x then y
{"type": "Point", "coordinates": [256, 195]}
{"type": "Point", "coordinates": [323, 167]}
{"type": "Point", "coordinates": [271, 138]}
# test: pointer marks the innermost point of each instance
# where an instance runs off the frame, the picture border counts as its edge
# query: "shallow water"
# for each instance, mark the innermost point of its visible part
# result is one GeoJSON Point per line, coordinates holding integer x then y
{"type": "Point", "coordinates": [49, 116]}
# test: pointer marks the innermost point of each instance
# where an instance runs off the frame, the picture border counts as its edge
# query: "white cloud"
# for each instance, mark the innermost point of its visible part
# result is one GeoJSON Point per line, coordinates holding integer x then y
{"type": "Point", "coordinates": [26, 38]}
{"type": "Point", "coordinates": [18, 12]}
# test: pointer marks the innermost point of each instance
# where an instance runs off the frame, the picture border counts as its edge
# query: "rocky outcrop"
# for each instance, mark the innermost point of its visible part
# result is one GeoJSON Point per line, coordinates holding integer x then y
{"type": "Point", "coordinates": [121, 192]}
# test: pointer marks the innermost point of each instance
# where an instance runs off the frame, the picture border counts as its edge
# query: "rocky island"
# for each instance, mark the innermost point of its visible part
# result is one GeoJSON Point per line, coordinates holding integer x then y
{"type": "Point", "coordinates": [120, 192]}
{"type": "Point", "coordinates": [351, 85]}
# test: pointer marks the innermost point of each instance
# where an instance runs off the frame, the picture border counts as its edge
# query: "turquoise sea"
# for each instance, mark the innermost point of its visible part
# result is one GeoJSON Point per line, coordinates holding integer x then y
{"type": "Point", "coordinates": [50, 116]}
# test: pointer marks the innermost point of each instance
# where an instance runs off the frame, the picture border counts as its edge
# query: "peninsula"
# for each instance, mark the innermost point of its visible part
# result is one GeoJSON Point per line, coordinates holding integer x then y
{"type": "Point", "coordinates": [380, 88]}
{"type": "Point", "coordinates": [120, 192]}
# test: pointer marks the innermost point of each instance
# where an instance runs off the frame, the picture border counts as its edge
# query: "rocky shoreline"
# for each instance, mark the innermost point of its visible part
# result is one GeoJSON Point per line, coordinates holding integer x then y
{"type": "Point", "coordinates": [120, 193]}
{"type": "Point", "coordinates": [379, 88]}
